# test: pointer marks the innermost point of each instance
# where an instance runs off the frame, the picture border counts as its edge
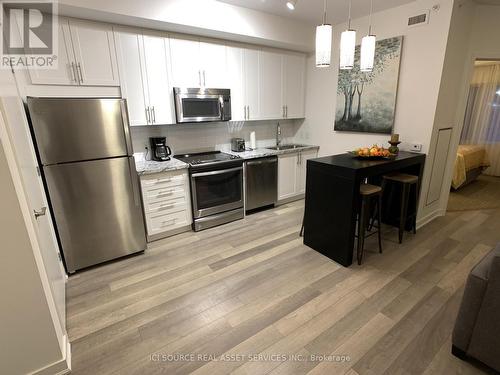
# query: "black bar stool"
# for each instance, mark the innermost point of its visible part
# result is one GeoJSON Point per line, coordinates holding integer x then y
{"type": "Point", "coordinates": [367, 192]}
{"type": "Point", "coordinates": [406, 181]}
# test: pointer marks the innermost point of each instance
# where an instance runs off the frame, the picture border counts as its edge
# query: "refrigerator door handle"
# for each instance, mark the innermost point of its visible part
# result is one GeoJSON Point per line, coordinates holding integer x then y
{"type": "Point", "coordinates": [134, 180]}
{"type": "Point", "coordinates": [126, 128]}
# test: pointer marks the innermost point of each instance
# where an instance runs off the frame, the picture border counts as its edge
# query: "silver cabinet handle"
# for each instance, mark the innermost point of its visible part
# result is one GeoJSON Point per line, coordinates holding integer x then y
{"type": "Point", "coordinates": [42, 212]}
{"type": "Point", "coordinates": [73, 72]}
{"type": "Point", "coordinates": [199, 77]}
{"type": "Point", "coordinates": [286, 111]}
{"type": "Point", "coordinates": [147, 115]}
{"type": "Point", "coordinates": [153, 113]}
{"type": "Point", "coordinates": [204, 79]}
{"type": "Point", "coordinates": [79, 69]}
{"type": "Point", "coordinates": [248, 109]}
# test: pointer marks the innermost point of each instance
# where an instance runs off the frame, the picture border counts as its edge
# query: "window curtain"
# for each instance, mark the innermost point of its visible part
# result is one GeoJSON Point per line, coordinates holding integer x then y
{"type": "Point", "coordinates": [482, 117]}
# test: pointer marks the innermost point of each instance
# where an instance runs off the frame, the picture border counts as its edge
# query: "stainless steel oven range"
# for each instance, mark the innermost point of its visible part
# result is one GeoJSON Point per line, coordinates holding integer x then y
{"type": "Point", "coordinates": [216, 180]}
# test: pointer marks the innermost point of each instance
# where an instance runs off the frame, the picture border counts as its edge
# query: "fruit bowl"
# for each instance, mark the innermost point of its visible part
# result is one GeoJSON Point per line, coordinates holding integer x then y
{"type": "Point", "coordinates": [374, 152]}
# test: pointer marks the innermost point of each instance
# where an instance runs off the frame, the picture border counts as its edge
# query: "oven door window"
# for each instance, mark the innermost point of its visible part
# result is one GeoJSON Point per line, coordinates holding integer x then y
{"type": "Point", "coordinates": [201, 108]}
{"type": "Point", "coordinates": [218, 189]}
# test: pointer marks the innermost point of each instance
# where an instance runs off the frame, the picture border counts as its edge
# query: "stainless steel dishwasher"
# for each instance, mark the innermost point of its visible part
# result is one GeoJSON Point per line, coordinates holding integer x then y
{"type": "Point", "coordinates": [261, 182]}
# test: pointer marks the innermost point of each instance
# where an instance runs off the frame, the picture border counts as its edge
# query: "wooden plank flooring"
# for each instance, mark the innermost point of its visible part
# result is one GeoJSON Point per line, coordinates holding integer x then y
{"type": "Point", "coordinates": [250, 291]}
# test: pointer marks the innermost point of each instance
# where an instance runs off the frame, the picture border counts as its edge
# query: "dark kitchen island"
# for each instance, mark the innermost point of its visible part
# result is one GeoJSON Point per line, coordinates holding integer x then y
{"type": "Point", "coordinates": [332, 188]}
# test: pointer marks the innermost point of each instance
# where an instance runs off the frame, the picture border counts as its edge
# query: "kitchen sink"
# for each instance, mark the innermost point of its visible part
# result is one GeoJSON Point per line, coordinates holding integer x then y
{"type": "Point", "coordinates": [286, 147]}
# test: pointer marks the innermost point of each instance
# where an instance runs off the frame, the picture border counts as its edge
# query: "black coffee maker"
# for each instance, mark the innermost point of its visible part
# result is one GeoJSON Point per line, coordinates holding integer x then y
{"type": "Point", "coordinates": [159, 149]}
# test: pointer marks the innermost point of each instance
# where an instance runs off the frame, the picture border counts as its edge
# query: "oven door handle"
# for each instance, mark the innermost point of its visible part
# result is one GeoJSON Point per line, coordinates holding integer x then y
{"type": "Point", "coordinates": [212, 173]}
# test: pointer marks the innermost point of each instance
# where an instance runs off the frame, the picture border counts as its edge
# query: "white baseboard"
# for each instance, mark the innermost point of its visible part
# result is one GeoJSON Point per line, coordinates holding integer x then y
{"type": "Point", "coordinates": [427, 219]}
{"type": "Point", "coordinates": [61, 367]}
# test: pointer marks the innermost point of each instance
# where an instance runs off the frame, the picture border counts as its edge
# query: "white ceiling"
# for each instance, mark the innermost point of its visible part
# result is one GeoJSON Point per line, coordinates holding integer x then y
{"type": "Point", "coordinates": [311, 11]}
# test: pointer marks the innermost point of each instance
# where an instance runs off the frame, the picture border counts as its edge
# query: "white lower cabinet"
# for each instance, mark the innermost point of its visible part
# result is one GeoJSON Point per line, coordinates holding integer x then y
{"type": "Point", "coordinates": [292, 174]}
{"type": "Point", "coordinates": [167, 203]}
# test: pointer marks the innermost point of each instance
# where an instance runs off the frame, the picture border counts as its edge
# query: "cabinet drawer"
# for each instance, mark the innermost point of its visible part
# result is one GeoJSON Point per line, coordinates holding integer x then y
{"type": "Point", "coordinates": [166, 207]}
{"type": "Point", "coordinates": [163, 194]}
{"type": "Point", "coordinates": [163, 223]}
{"type": "Point", "coordinates": [163, 181]}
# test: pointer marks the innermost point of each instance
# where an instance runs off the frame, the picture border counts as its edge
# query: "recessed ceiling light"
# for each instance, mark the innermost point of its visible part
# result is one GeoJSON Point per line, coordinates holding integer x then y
{"type": "Point", "coordinates": [291, 4]}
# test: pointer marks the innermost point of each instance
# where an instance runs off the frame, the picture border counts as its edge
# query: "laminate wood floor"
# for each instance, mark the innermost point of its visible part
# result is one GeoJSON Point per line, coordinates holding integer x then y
{"type": "Point", "coordinates": [249, 298]}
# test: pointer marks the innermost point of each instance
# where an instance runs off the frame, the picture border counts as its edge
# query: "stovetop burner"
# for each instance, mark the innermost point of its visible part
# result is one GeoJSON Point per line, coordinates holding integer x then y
{"type": "Point", "coordinates": [206, 158]}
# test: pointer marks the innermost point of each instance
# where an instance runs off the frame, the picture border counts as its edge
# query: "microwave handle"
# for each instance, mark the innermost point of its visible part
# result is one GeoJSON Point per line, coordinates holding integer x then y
{"type": "Point", "coordinates": [221, 105]}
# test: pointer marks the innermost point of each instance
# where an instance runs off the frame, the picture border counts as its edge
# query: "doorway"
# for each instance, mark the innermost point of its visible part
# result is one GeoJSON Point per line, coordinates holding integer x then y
{"type": "Point", "coordinates": [476, 173]}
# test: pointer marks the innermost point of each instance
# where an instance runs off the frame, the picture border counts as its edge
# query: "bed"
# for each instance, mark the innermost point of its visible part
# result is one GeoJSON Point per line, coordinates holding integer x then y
{"type": "Point", "coordinates": [470, 162]}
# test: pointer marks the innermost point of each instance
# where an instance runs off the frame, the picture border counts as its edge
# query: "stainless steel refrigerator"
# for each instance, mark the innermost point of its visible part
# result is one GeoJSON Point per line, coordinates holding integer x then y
{"type": "Point", "coordinates": [85, 151]}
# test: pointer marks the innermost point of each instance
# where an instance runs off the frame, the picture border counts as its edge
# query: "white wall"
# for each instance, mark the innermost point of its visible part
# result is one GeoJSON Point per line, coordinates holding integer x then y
{"type": "Point", "coordinates": [419, 81]}
{"type": "Point", "coordinates": [28, 341]}
{"type": "Point", "coordinates": [200, 17]}
{"type": "Point", "coordinates": [449, 113]}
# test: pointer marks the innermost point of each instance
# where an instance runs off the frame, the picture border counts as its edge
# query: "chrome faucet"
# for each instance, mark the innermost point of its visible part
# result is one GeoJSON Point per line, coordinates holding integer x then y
{"type": "Point", "coordinates": [278, 135]}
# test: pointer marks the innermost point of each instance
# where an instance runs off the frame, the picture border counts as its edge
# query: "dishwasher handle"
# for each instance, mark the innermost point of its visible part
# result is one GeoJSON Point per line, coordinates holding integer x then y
{"type": "Point", "coordinates": [263, 161]}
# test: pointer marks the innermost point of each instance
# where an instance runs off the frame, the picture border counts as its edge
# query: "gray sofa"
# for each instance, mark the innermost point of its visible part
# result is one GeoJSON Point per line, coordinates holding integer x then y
{"type": "Point", "coordinates": [477, 328]}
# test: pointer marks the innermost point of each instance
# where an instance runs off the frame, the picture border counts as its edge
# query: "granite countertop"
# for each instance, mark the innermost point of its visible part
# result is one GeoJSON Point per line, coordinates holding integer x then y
{"type": "Point", "coordinates": [262, 152]}
{"type": "Point", "coordinates": [145, 167]}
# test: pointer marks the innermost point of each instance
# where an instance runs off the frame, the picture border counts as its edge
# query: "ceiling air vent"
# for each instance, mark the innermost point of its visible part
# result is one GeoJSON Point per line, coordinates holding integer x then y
{"type": "Point", "coordinates": [419, 19]}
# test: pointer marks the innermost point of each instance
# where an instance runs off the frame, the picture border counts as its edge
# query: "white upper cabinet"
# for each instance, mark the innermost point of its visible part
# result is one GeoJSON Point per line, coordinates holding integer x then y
{"type": "Point", "coordinates": [86, 55]}
{"type": "Point", "coordinates": [142, 60]}
{"type": "Point", "coordinates": [294, 67]}
{"type": "Point", "coordinates": [65, 74]}
{"type": "Point", "coordinates": [270, 85]}
{"type": "Point", "coordinates": [94, 49]}
{"type": "Point", "coordinates": [251, 69]}
{"type": "Point", "coordinates": [131, 64]}
{"type": "Point", "coordinates": [160, 95]}
{"type": "Point", "coordinates": [235, 82]}
{"type": "Point", "coordinates": [185, 62]}
{"type": "Point", "coordinates": [197, 63]}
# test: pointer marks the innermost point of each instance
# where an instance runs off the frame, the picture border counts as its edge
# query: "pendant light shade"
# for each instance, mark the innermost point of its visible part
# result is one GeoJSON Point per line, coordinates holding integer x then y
{"type": "Point", "coordinates": [367, 53]}
{"type": "Point", "coordinates": [368, 47]}
{"type": "Point", "coordinates": [323, 45]}
{"type": "Point", "coordinates": [347, 47]}
{"type": "Point", "coordinates": [323, 42]}
{"type": "Point", "coordinates": [291, 4]}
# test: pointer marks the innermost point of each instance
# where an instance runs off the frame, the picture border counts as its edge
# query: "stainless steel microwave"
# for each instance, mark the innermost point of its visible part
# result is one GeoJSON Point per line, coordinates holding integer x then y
{"type": "Point", "coordinates": [202, 104]}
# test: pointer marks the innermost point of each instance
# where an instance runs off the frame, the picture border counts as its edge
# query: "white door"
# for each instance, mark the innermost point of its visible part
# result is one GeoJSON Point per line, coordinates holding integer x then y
{"type": "Point", "coordinates": [160, 96]}
{"type": "Point", "coordinates": [130, 51]}
{"type": "Point", "coordinates": [304, 156]}
{"type": "Point", "coordinates": [213, 60]}
{"type": "Point", "coordinates": [287, 175]}
{"type": "Point", "coordinates": [251, 83]}
{"type": "Point", "coordinates": [294, 66]}
{"type": "Point", "coordinates": [65, 74]}
{"type": "Point", "coordinates": [185, 62]}
{"type": "Point", "coordinates": [235, 77]}
{"type": "Point", "coordinates": [94, 48]}
{"type": "Point", "coordinates": [17, 124]}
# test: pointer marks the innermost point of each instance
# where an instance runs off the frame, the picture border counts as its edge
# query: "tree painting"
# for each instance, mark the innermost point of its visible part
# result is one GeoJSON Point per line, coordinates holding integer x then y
{"type": "Point", "coordinates": [366, 101]}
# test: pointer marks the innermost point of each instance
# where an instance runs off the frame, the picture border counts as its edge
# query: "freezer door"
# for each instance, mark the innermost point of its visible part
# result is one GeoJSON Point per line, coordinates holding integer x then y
{"type": "Point", "coordinates": [97, 209]}
{"type": "Point", "coordinates": [75, 129]}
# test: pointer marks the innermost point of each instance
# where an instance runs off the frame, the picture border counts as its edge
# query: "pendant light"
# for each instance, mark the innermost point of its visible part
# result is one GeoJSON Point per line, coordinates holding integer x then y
{"type": "Point", "coordinates": [347, 45]}
{"type": "Point", "coordinates": [323, 42]}
{"type": "Point", "coordinates": [291, 4]}
{"type": "Point", "coordinates": [368, 47]}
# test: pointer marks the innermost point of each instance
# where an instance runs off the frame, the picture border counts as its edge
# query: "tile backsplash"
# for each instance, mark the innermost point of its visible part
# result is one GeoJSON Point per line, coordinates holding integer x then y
{"type": "Point", "coordinates": [214, 135]}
